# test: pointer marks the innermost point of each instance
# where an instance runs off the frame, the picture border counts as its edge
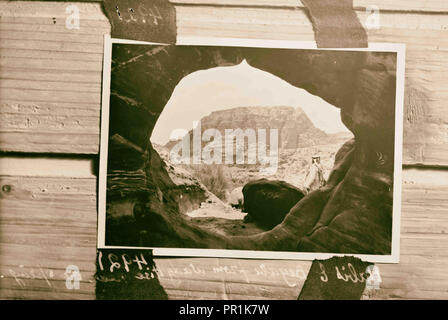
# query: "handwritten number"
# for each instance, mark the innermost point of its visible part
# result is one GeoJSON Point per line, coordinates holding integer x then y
{"type": "Point", "coordinates": [143, 12]}
{"type": "Point", "coordinates": [118, 13]}
{"type": "Point", "coordinates": [126, 262]}
{"type": "Point", "coordinates": [156, 15]}
{"type": "Point", "coordinates": [113, 264]}
{"type": "Point", "coordinates": [100, 262]}
{"type": "Point", "coordinates": [140, 261]}
{"type": "Point", "coordinates": [131, 11]}
{"type": "Point", "coordinates": [153, 12]}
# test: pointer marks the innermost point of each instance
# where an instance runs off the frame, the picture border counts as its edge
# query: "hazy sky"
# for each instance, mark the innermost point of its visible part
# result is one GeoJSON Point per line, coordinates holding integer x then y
{"type": "Point", "coordinates": [202, 92]}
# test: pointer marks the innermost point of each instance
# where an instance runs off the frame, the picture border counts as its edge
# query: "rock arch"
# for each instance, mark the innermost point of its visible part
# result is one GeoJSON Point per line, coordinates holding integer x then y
{"type": "Point", "coordinates": [352, 214]}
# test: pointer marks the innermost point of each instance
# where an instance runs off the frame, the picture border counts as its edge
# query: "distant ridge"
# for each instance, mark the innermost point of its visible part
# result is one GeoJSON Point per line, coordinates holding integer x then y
{"type": "Point", "coordinates": [295, 129]}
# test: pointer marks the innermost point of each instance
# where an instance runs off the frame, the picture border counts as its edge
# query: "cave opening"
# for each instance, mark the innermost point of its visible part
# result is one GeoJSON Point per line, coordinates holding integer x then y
{"type": "Point", "coordinates": [227, 127]}
{"type": "Point", "coordinates": [351, 213]}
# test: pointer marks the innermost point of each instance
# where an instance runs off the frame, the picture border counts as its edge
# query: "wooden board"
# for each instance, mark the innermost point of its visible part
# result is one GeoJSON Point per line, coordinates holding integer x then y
{"type": "Point", "coordinates": [50, 76]}
{"type": "Point", "coordinates": [402, 5]}
{"type": "Point", "coordinates": [48, 223]}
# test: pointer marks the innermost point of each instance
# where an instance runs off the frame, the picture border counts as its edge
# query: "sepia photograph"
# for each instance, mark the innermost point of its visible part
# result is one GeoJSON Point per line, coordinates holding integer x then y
{"type": "Point", "coordinates": [251, 149]}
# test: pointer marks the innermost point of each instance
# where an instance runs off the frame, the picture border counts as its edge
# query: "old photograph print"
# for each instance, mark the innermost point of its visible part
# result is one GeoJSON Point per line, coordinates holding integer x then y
{"type": "Point", "coordinates": [259, 152]}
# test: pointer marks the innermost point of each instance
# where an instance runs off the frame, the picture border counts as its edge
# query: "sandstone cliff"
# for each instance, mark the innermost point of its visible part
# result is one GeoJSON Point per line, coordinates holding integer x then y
{"type": "Point", "coordinates": [295, 129]}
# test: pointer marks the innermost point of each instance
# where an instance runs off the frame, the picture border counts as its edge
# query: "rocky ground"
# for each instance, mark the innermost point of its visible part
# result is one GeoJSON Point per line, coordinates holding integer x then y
{"type": "Point", "coordinates": [293, 165]}
{"type": "Point", "coordinates": [222, 184]}
{"type": "Point", "coordinates": [217, 209]}
{"type": "Point", "coordinates": [217, 214]}
{"type": "Point", "coordinates": [213, 213]}
{"type": "Point", "coordinates": [298, 141]}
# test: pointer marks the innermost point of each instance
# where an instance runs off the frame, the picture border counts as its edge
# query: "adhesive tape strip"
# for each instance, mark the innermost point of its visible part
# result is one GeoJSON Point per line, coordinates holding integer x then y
{"type": "Point", "coordinates": [143, 20]}
{"type": "Point", "coordinates": [336, 24]}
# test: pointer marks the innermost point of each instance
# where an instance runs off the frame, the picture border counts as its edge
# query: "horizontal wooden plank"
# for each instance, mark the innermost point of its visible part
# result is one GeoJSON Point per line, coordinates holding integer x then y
{"type": "Point", "coordinates": [55, 288]}
{"type": "Point", "coordinates": [29, 294]}
{"type": "Point", "coordinates": [50, 9]}
{"type": "Point", "coordinates": [428, 272]}
{"type": "Point", "coordinates": [53, 46]}
{"type": "Point", "coordinates": [50, 64]}
{"type": "Point", "coordinates": [72, 57]}
{"type": "Point", "coordinates": [56, 142]}
{"type": "Point", "coordinates": [264, 272]}
{"type": "Point", "coordinates": [46, 167]}
{"type": "Point", "coordinates": [410, 5]}
{"type": "Point", "coordinates": [49, 85]}
{"type": "Point", "coordinates": [400, 294]}
{"type": "Point", "coordinates": [74, 77]}
{"type": "Point", "coordinates": [424, 225]}
{"type": "Point", "coordinates": [227, 288]}
{"type": "Point", "coordinates": [89, 27]}
{"type": "Point", "coordinates": [415, 30]}
{"type": "Point", "coordinates": [70, 109]}
{"type": "Point", "coordinates": [50, 96]}
{"type": "Point", "coordinates": [49, 123]}
{"type": "Point", "coordinates": [52, 36]}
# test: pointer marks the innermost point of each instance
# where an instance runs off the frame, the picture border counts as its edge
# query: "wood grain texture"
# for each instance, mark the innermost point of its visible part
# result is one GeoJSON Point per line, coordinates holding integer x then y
{"type": "Point", "coordinates": [402, 5]}
{"type": "Point", "coordinates": [50, 76]}
{"type": "Point", "coordinates": [48, 223]}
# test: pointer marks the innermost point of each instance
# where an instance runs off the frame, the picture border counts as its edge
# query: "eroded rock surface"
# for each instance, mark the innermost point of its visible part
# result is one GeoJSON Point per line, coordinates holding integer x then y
{"type": "Point", "coordinates": [268, 202]}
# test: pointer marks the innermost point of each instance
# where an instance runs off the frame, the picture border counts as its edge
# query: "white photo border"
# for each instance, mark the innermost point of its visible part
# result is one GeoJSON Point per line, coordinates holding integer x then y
{"type": "Point", "coordinates": [394, 257]}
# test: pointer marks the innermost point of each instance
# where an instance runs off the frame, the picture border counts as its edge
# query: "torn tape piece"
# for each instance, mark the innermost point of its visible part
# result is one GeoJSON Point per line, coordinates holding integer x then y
{"type": "Point", "coordinates": [336, 24]}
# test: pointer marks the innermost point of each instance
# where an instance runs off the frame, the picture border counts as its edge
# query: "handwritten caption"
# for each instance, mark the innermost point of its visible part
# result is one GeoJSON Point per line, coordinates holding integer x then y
{"type": "Point", "coordinates": [144, 14]}
{"type": "Point", "coordinates": [346, 273]}
{"type": "Point", "coordinates": [116, 267]}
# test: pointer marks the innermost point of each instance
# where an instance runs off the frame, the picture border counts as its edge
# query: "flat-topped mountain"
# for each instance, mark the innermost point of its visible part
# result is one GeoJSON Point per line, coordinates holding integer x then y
{"type": "Point", "coordinates": [295, 129]}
